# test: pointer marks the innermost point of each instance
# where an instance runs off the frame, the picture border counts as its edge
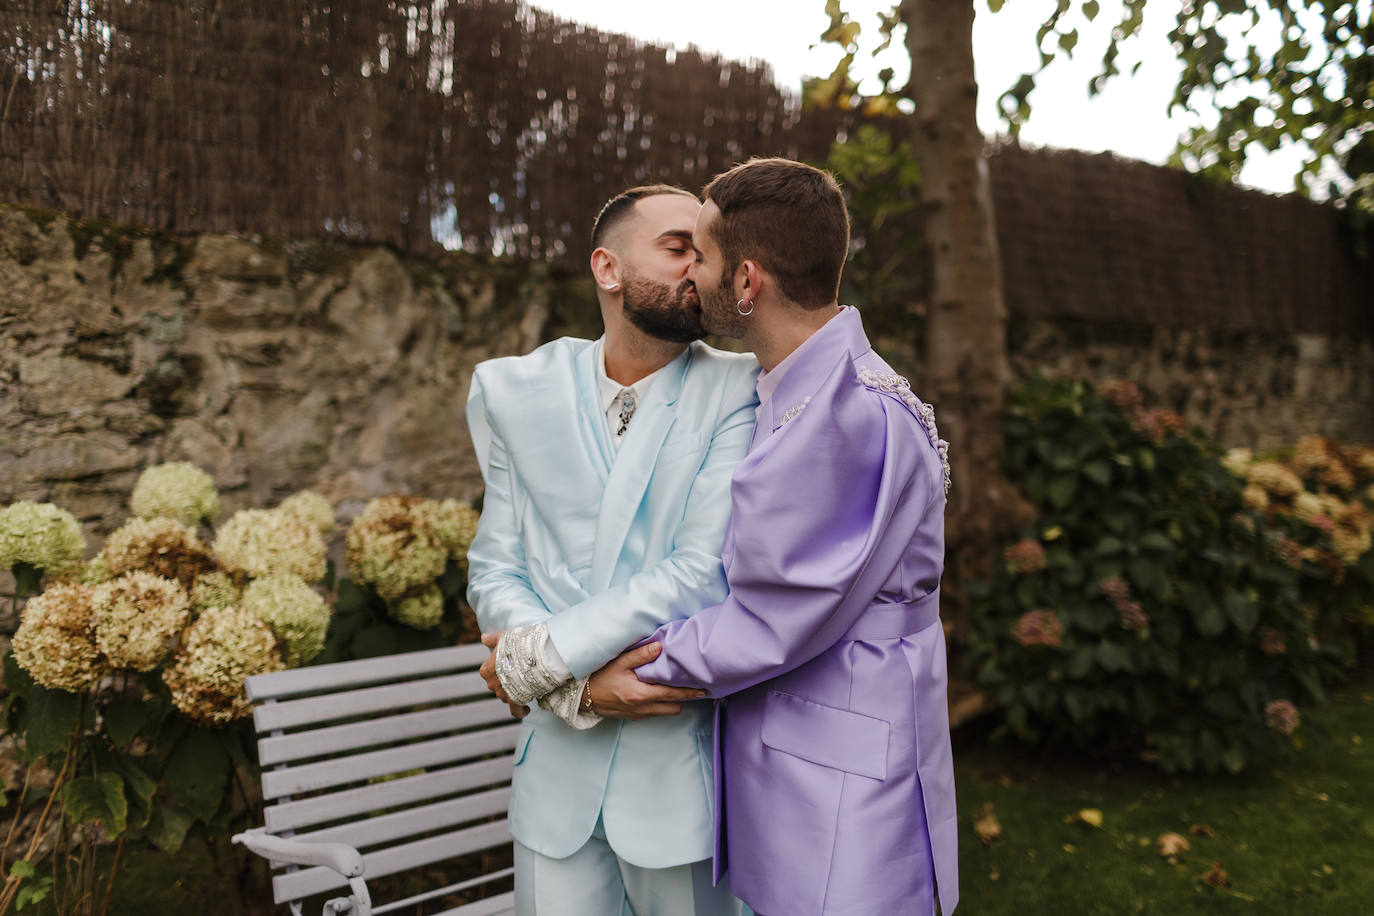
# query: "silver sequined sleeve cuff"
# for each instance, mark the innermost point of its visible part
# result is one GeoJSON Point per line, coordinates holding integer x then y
{"type": "Point", "coordinates": [565, 702]}
{"type": "Point", "coordinates": [521, 664]}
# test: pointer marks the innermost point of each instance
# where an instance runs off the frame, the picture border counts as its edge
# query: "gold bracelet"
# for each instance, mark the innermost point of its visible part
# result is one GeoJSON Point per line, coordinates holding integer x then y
{"type": "Point", "coordinates": [587, 698]}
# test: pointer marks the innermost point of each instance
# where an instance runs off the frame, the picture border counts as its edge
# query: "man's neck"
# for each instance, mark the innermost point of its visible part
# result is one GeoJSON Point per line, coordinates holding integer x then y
{"type": "Point", "coordinates": [630, 357]}
{"type": "Point", "coordinates": [774, 340]}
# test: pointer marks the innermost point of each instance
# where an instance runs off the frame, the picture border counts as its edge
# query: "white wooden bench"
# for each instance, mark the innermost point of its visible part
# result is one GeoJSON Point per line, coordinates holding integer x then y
{"type": "Point", "coordinates": [381, 767]}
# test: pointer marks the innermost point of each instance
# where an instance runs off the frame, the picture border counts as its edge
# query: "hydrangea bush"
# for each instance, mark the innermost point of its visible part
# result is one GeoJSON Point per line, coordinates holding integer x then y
{"type": "Point", "coordinates": [126, 674]}
{"type": "Point", "coordinates": [1168, 601]}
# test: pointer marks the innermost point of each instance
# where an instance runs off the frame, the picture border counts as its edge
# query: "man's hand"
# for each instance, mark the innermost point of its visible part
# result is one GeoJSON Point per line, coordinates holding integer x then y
{"type": "Point", "coordinates": [618, 693]}
{"type": "Point", "coordinates": [488, 672]}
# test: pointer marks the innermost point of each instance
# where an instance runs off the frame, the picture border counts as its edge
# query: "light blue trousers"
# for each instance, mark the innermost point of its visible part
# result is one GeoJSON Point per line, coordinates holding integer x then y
{"type": "Point", "coordinates": [594, 881]}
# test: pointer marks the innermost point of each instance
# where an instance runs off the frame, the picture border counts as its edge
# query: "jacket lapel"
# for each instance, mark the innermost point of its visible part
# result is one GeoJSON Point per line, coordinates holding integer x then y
{"type": "Point", "coordinates": [633, 467]}
{"type": "Point", "coordinates": [591, 413]}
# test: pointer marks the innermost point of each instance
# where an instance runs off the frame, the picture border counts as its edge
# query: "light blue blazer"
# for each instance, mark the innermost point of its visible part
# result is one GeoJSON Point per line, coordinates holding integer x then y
{"type": "Point", "coordinates": [606, 546]}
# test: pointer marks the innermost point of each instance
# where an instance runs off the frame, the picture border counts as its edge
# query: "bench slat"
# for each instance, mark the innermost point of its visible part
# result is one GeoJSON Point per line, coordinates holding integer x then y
{"type": "Point", "coordinates": [387, 828]}
{"type": "Point", "coordinates": [438, 892]}
{"type": "Point", "coordinates": [306, 882]}
{"type": "Point", "coordinates": [372, 732]}
{"type": "Point", "coordinates": [359, 673]}
{"type": "Point", "coordinates": [504, 905]}
{"type": "Point", "coordinates": [367, 701]}
{"type": "Point", "coordinates": [305, 812]}
{"type": "Point", "coordinates": [311, 777]}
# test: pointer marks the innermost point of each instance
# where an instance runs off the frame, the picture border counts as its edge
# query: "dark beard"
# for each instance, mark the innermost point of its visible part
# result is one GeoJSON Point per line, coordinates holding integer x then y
{"type": "Point", "coordinates": [662, 311]}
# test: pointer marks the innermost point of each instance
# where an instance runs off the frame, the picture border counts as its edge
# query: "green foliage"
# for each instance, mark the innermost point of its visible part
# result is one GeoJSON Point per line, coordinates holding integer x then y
{"type": "Point", "coordinates": [362, 628]}
{"type": "Point", "coordinates": [1268, 72]}
{"type": "Point", "coordinates": [1146, 611]}
{"type": "Point", "coordinates": [886, 275]}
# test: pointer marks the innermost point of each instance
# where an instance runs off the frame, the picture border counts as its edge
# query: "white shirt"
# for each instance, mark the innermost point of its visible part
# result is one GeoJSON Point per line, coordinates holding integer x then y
{"type": "Point", "coordinates": [610, 390]}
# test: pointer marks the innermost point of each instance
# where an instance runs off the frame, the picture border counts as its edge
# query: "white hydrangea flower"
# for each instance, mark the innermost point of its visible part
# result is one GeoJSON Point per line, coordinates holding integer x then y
{"type": "Point", "coordinates": [177, 490]}
{"type": "Point", "coordinates": [393, 546]}
{"type": "Point", "coordinates": [137, 617]}
{"type": "Point", "coordinates": [265, 542]}
{"type": "Point", "coordinates": [95, 572]}
{"type": "Point", "coordinates": [223, 647]}
{"type": "Point", "coordinates": [298, 616]}
{"type": "Point", "coordinates": [42, 535]}
{"type": "Point", "coordinates": [55, 642]}
{"type": "Point", "coordinates": [214, 589]}
{"type": "Point", "coordinates": [312, 508]}
{"type": "Point", "coordinates": [454, 524]}
{"type": "Point", "coordinates": [421, 611]}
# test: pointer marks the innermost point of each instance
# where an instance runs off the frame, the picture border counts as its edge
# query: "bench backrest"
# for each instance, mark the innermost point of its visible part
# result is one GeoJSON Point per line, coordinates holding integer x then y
{"type": "Point", "coordinates": [407, 758]}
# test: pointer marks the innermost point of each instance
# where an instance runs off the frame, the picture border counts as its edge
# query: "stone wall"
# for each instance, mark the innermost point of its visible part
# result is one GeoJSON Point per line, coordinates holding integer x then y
{"type": "Point", "coordinates": [1249, 389]}
{"type": "Point", "coordinates": [273, 367]}
{"type": "Point", "coordinates": [277, 366]}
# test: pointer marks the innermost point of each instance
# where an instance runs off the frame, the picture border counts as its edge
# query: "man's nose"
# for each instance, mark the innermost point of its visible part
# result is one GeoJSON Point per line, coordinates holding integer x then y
{"type": "Point", "coordinates": [692, 272]}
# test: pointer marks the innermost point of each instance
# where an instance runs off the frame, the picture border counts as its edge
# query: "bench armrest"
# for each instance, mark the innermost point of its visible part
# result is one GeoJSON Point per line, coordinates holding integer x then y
{"type": "Point", "coordinates": [340, 857]}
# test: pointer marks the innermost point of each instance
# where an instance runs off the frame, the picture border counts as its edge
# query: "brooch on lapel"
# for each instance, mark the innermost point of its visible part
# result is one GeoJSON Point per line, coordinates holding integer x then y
{"type": "Point", "coordinates": [793, 412]}
{"type": "Point", "coordinates": [896, 385]}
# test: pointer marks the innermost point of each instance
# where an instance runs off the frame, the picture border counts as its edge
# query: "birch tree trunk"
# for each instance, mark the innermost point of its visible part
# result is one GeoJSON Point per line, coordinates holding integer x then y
{"type": "Point", "coordinates": [967, 370]}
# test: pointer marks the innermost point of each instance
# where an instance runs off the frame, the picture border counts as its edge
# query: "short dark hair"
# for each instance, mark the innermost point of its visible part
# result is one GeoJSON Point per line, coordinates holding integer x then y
{"type": "Point", "coordinates": [618, 207]}
{"type": "Point", "coordinates": [788, 216]}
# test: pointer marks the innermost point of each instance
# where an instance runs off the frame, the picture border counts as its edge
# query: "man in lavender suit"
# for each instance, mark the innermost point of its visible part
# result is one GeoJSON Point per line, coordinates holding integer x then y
{"type": "Point", "coordinates": [834, 778]}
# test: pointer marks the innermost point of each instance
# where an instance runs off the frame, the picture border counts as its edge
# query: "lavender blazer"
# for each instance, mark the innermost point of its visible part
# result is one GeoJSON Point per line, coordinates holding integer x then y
{"type": "Point", "coordinates": [834, 777]}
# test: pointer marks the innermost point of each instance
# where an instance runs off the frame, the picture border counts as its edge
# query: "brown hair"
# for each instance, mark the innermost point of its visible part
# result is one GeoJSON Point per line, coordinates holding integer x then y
{"type": "Point", "coordinates": [789, 217]}
{"type": "Point", "coordinates": [619, 207]}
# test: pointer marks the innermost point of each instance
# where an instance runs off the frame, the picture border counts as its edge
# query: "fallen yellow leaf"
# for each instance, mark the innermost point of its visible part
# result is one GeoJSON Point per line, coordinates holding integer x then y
{"type": "Point", "coordinates": [1171, 846]}
{"type": "Point", "coordinates": [986, 825]}
{"type": "Point", "coordinates": [1201, 830]}
{"type": "Point", "coordinates": [1090, 816]}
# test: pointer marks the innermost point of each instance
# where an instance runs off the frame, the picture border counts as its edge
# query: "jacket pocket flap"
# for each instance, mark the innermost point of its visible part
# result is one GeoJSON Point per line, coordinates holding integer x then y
{"type": "Point", "coordinates": [835, 738]}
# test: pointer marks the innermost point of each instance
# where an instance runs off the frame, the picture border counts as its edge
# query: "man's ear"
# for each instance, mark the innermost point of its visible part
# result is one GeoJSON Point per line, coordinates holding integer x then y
{"type": "Point", "coordinates": [606, 270]}
{"type": "Point", "coordinates": [750, 278]}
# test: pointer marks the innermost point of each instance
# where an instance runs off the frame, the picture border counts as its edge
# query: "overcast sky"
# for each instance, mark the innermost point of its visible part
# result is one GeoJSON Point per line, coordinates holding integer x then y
{"type": "Point", "coordinates": [1130, 118]}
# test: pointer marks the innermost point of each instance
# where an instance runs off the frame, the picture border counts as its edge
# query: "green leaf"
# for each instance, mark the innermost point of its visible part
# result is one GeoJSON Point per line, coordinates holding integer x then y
{"type": "Point", "coordinates": [1068, 41]}
{"type": "Point", "coordinates": [1113, 658]}
{"type": "Point", "coordinates": [17, 680]}
{"type": "Point", "coordinates": [97, 798]}
{"type": "Point", "coordinates": [168, 826]}
{"type": "Point", "coordinates": [197, 773]}
{"type": "Point", "coordinates": [1243, 612]}
{"type": "Point", "coordinates": [1210, 620]}
{"type": "Point", "coordinates": [125, 717]}
{"type": "Point", "coordinates": [22, 869]}
{"type": "Point", "coordinates": [1062, 490]}
{"type": "Point", "coordinates": [353, 599]}
{"type": "Point", "coordinates": [1099, 472]}
{"type": "Point", "coordinates": [50, 717]}
{"type": "Point", "coordinates": [1090, 9]}
{"type": "Point", "coordinates": [1153, 540]}
{"type": "Point", "coordinates": [995, 6]}
{"type": "Point", "coordinates": [27, 579]}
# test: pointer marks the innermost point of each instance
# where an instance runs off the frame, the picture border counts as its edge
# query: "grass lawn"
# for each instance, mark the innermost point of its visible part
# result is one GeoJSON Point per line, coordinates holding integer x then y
{"type": "Point", "coordinates": [1295, 835]}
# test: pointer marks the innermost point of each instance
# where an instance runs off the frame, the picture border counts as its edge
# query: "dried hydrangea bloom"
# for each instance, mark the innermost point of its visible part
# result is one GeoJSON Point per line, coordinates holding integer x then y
{"type": "Point", "coordinates": [1275, 479]}
{"type": "Point", "coordinates": [55, 642]}
{"type": "Point", "coordinates": [162, 546]}
{"type": "Point", "coordinates": [1282, 716]}
{"type": "Point", "coordinates": [266, 542]}
{"type": "Point", "coordinates": [214, 589]}
{"type": "Point", "coordinates": [1038, 628]}
{"type": "Point", "coordinates": [1307, 506]}
{"type": "Point", "coordinates": [42, 535]}
{"type": "Point", "coordinates": [311, 508]}
{"type": "Point", "coordinates": [454, 524]}
{"type": "Point", "coordinates": [223, 647]}
{"type": "Point", "coordinates": [1289, 551]}
{"type": "Point", "coordinates": [137, 616]}
{"type": "Point", "coordinates": [1311, 454]}
{"type": "Point", "coordinates": [1272, 641]}
{"type": "Point", "coordinates": [297, 614]}
{"type": "Point", "coordinates": [421, 611]}
{"type": "Point", "coordinates": [1350, 544]}
{"type": "Point", "coordinates": [393, 546]}
{"type": "Point", "coordinates": [177, 490]}
{"type": "Point", "coordinates": [1255, 497]}
{"type": "Point", "coordinates": [1025, 556]}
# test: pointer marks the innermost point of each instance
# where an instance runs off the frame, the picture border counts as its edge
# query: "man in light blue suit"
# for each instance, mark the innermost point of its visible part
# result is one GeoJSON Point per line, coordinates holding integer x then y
{"type": "Point", "coordinates": [607, 466]}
